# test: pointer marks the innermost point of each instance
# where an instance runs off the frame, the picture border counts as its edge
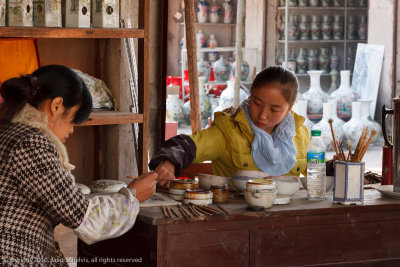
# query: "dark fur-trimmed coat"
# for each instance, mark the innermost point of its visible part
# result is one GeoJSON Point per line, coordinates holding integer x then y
{"type": "Point", "coordinates": [37, 193]}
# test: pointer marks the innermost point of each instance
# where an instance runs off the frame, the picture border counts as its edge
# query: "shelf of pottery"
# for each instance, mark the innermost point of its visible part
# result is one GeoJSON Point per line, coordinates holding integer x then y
{"type": "Point", "coordinates": [322, 35]}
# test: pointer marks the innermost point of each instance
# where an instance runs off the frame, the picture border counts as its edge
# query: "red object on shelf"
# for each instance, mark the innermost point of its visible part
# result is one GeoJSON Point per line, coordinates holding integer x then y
{"type": "Point", "coordinates": [185, 86]}
{"type": "Point", "coordinates": [215, 89]}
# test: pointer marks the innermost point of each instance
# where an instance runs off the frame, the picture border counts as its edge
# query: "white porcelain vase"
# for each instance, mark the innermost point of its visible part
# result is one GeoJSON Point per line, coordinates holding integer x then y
{"type": "Point", "coordinates": [174, 109]}
{"type": "Point", "coordinates": [315, 96]}
{"type": "Point", "coordinates": [337, 122]}
{"type": "Point", "coordinates": [369, 122]}
{"type": "Point", "coordinates": [353, 128]}
{"type": "Point", "coordinates": [226, 99]}
{"type": "Point", "coordinates": [202, 11]}
{"type": "Point", "coordinates": [345, 95]}
{"type": "Point", "coordinates": [245, 69]}
{"type": "Point", "coordinates": [221, 69]}
{"type": "Point", "coordinates": [227, 9]}
{"type": "Point", "coordinates": [300, 107]}
{"type": "Point", "coordinates": [215, 12]}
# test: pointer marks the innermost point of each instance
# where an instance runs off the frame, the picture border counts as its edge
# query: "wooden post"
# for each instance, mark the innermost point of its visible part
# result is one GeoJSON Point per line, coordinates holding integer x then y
{"type": "Point", "coordinates": [238, 51]}
{"type": "Point", "coordinates": [192, 66]}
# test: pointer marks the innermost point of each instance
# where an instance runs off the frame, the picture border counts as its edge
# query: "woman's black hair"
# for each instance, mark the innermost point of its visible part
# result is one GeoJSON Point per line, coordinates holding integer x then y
{"type": "Point", "coordinates": [285, 79]}
{"type": "Point", "coordinates": [47, 82]}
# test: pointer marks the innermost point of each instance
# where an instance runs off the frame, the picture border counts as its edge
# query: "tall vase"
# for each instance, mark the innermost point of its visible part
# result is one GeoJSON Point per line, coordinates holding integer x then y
{"type": "Point", "coordinates": [293, 30]}
{"type": "Point", "coordinates": [227, 11]}
{"type": "Point", "coordinates": [212, 43]}
{"type": "Point", "coordinates": [315, 96]}
{"type": "Point", "coordinates": [315, 28]}
{"type": "Point", "coordinates": [301, 61]}
{"type": "Point", "coordinates": [303, 3]}
{"type": "Point", "coordinates": [300, 107]}
{"type": "Point", "coordinates": [334, 81]}
{"type": "Point", "coordinates": [312, 60]}
{"type": "Point", "coordinates": [304, 28]}
{"type": "Point", "coordinates": [345, 95]}
{"type": "Point", "coordinates": [337, 122]}
{"type": "Point", "coordinates": [205, 104]}
{"type": "Point", "coordinates": [324, 60]}
{"type": "Point", "coordinates": [202, 11]}
{"type": "Point", "coordinates": [350, 59]}
{"type": "Point", "coordinates": [334, 59]}
{"type": "Point", "coordinates": [368, 121]}
{"type": "Point", "coordinates": [326, 28]}
{"type": "Point", "coordinates": [362, 28]}
{"type": "Point", "coordinates": [353, 128]}
{"type": "Point", "coordinates": [282, 28]}
{"type": "Point", "coordinates": [221, 69]}
{"type": "Point", "coordinates": [226, 99]}
{"type": "Point", "coordinates": [200, 43]}
{"type": "Point", "coordinates": [215, 12]}
{"type": "Point", "coordinates": [244, 70]}
{"type": "Point", "coordinates": [351, 28]}
{"type": "Point", "coordinates": [203, 69]}
{"type": "Point", "coordinates": [337, 27]}
{"type": "Point", "coordinates": [324, 126]}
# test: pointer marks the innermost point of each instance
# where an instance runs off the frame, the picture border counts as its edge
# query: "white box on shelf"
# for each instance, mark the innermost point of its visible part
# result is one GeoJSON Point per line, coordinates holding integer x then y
{"type": "Point", "coordinates": [105, 13]}
{"type": "Point", "coordinates": [20, 13]}
{"type": "Point", "coordinates": [47, 13]}
{"type": "Point", "coordinates": [77, 13]}
{"type": "Point", "coordinates": [2, 12]}
{"type": "Point", "coordinates": [349, 183]}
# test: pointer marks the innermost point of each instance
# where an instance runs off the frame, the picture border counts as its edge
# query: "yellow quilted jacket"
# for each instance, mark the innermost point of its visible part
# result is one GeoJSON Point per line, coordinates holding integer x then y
{"type": "Point", "coordinates": [227, 143]}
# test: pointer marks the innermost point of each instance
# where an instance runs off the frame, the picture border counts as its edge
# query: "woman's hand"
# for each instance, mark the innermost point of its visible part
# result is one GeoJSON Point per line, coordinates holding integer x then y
{"type": "Point", "coordinates": [145, 186]}
{"type": "Point", "coordinates": [166, 172]}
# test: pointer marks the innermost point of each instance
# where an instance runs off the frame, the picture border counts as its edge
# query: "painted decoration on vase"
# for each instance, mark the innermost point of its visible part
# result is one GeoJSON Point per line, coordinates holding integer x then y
{"type": "Point", "coordinates": [227, 10]}
{"type": "Point", "coordinates": [215, 12]}
{"type": "Point", "coordinates": [47, 13]}
{"type": "Point", "coordinates": [77, 13]}
{"type": "Point", "coordinates": [221, 69]}
{"type": "Point", "coordinates": [345, 95]}
{"type": "Point", "coordinates": [245, 69]}
{"type": "Point", "coordinates": [203, 68]}
{"type": "Point", "coordinates": [202, 11]}
{"type": "Point", "coordinates": [315, 96]}
{"type": "Point", "coordinates": [20, 13]}
{"type": "Point", "coordinates": [353, 128]}
{"type": "Point", "coordinates": [105, 13]}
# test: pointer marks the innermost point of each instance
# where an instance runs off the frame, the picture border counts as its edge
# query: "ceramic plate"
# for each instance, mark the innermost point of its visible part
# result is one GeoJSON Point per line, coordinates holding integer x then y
{"type": "Point", "coordinates": [387, 190]}
{"type": "Point", "coordinates": [84, 188]}
{"type": "Point", "coordinates": [107, 186]}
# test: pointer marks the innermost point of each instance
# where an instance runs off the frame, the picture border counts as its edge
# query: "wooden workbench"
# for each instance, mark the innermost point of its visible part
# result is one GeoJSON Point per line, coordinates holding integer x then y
{"type": "Point", "coordinates": [300, 233]}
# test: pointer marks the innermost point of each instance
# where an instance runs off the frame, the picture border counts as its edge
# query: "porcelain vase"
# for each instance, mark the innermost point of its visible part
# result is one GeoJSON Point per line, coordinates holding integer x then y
{"type": "Point", "coordinates": [205, 104]}
{"type": "Point", "coordinates": [301, 61]}
{"type": "Point", "coordinates": [212, 43]}
{"type": "Point", "coordinates": [200, 43]}
{"type": "Point", "coordinates": [353, 128]}
{"type": "Point", "coordinates": [304, 28]}
{"type": "Point", "coordinates": [337, 122]}
{"type": "Point", "coordinates": [315, 28]}
{"type": "Point", "coordinates": [303, 3]}
{"type": "Point", "coordinates": [202, 11]}
{"type": "Point", "coordinates": [351, 28]}
{"type": "Point", "coordinates": [334, 81]}
{"type": "Point", "coordinates": [226, 99]}
{"type": "Point", "coordinates": [369, 122]}
{"type": "Point", "coordinates": [326, 28]}
{"type": "Point", "coordinates": [215, 12]}
{"type": "Point", "coordinates": [174, 109]}
{"type": "Point", "coordinates": [281, 29]}
{"type": "Point", "coordinates": [245, 69]}
{"type": "Point", "coordinates": [362, 28]}
{"type": "Point", "coordinates": [293, 29]}
{"type": "Point", "coordinates": [350, 59]}
{"type": "Point", "coordinates": [334, 59]}
{"type": "Point", "coordinates": [337, 27]}
{"type": "Point", "coordinates": [324, 126]}
{"type": "Point", "coordinates": [203, 68]}
{"type": "Point", "coordinates": [312, 60]}
{"type": "Point", "coordinates": [315, 96]}
{"type": "Point", "coordinates": [300, 107]}
{"type": "Point", "coordinates": [221, 69]}
{"type": "Point", "coordinates": [345, 95]}
{"type": "Point", "coordinates": [227, 11]}
{"type": "Point", "coordinates": [323, 60]}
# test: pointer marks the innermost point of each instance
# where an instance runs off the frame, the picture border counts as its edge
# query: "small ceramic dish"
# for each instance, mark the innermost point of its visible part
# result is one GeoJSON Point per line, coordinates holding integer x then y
{"type": "Point", "coordinates": [282, 200]}
{"type": "Point", "coordinates": [240, 179]}
{"type": "Point", "coordinates": [206, 180]}
{"type": "Point", "coordinates": [176, 197]}
{"type": "Point", "coordinates": [106, 186]}
{"type": "Point", "coordinates": [84, 188]}
{"type": "Point", "coordinates": [198, 193]}
{"type": "Point", "coordinates": [198, 201]}
{"type": "Point", "coordinates": [260, 198]}
{"type": "Point", "coordinates": [174, 191]}
{"type": "Point", "coordinates": [287, 185]}
{"type": "Point", "coordinates": [330, 180]}
{"type": "Point", "coordinates": [259, 184]}
{"type": "Point", "coordinates": [184, 184]}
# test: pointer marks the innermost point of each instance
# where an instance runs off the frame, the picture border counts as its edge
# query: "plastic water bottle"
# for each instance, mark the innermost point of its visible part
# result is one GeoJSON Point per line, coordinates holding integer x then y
{"type": "Point", "coordinates": [316, 177]}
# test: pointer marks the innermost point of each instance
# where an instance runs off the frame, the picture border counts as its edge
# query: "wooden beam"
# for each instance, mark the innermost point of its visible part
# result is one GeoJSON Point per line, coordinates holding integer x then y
{"type": "Point", "coordinates": [192, 66]}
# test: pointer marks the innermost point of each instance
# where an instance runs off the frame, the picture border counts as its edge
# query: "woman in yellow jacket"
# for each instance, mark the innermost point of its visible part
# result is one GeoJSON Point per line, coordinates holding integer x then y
{"type": "Point", "coordinates": [261, 134]}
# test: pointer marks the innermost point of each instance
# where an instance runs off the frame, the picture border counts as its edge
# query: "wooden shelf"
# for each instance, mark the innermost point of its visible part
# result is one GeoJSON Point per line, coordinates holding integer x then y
{"type": "Point", "coordinates": [43, 32]}
{"type": "Point", "coordinates": [112, 117]}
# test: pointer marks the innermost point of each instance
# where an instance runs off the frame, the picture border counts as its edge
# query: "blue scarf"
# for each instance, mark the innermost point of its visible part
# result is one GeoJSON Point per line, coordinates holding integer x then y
{"type": "Point", "coordinates": [273, 153]}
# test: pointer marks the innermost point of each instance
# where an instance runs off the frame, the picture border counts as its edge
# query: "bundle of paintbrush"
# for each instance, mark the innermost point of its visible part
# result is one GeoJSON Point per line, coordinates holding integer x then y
{"type": "Point", "coordinates": [360, 149]}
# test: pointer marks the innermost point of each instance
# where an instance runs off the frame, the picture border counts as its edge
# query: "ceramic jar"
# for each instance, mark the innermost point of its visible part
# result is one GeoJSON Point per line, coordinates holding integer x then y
{"type": "Point", "coordinates": [300, 107]}
{"type": "Point", "coordinates": [368, 121]}
{"type": "Point", "coordinates": [174, 109]}
{"type": "Point", "coordinates": [205, 105]}
{"type": "Point", "coordinates": [47, 13]}
{"type": "Point", "coordinates": [350, 59]}
{"type": "Point", "coordinates": [315, 28]}
{"type": "Point", "coordinates": [323, 60]}
{"type": "Point", "coordinates": [301, 61]}
{"type": "Point", "coordinates": [293, 30]}
{"type": "Point", "coordinates": [315, 96]}
{"type": "Point", "coordinates": [337, 27]}
{"type": "Point", "coordinates": [203, 68]}
{"type": "Point", "coordinates": [202, 11]}
{"type": "Point", "coordinates": [2, 13]}
{"type": "Point", "coordinates": [334, 59]}
{"type": "Point", "coordinates": [215, 12]}
{"type": "Point", "coordinates": [226, 99]}
{"type": "Point", "coordinates": [245, 69]}
{"type": "Point", "coordinates": [304, 28]}
{"type": "Point", "coordinates": [353, 128]}
{"type": "Point", "coordinates": [105, 13]}
{"type": "Point", "coordinates": [220, 193]}
{"type": "Point", "coordinates": [312, 60]}
{"type": "Point", "coordinates": [362, 28]}
{"type": "Point", "coordinates": [77, 14]}
{"type": "Point", "coordinates": [20, 13]}
{"type": "Point", "coordinates": [324, 126]}
{"type": "Point", "coordinates": [212, 43]}
{"type": "Point", "coordinates": [345, 95]}
{"type": "Point", "coordinates": [227, 11]}
{"type": "Point", "coordinates": [351, 28]}
{"type": "Point", "coordinates": [326, 28]}
{"type": "Point", "coordinates": [221, 69]}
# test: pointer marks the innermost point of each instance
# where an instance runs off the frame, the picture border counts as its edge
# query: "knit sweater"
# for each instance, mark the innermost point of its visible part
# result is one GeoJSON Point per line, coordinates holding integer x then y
{"type": "Point", "coordinates": [37, 193]}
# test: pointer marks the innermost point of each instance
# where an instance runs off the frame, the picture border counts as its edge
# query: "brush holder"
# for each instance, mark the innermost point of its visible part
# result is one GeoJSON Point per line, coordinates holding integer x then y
{"type": "Point", "coordinates": [349, 183]}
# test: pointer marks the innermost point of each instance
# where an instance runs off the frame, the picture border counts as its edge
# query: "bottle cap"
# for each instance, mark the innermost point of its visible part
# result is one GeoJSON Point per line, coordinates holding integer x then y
{"type": "Point", "coordinates": [315, 132]}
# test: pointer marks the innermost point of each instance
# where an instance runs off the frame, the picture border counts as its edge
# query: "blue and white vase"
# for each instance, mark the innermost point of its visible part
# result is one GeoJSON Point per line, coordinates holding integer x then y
{"type": "Point", "coordinates": [315, 96]}
{"type": "Point", "coordinates": [215, 12]}
{"type": "Point", "coordinates": [345, 95]}
{"type": "Point", "coordinates": [245, 69]}
{"type": "Point", "coordinates": [353, 128]}
{"type": "Point", "coordinates": [202, 11]}
{"type": "Point", "coordinates": [221, 69]}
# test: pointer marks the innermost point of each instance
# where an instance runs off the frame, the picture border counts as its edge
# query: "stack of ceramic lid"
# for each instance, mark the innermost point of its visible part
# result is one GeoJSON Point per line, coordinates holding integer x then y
{"type": "Point", "coordinates": [198, 196]}
{"type": "Point", "coordinates": [178, 186]}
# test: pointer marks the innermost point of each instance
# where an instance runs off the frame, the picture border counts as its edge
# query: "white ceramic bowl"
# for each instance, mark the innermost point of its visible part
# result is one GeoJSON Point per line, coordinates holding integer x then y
{"type": "Point", "coordinates": [329, 182]}
{"type": "Point", "coordinates": [179, 192]}
{"type": "Point", "coordinates": [84, 188]}
{"type": "Point", "coordinates": [260, 198]}
{"type": "Point", "coordinates": [240, 178]}
{"type": "Point", "coordinates": [287, 185]}
{"type": "Point", "coordinates": [206, 180]}
{"type": "Point", "coordinates": [106, 186]}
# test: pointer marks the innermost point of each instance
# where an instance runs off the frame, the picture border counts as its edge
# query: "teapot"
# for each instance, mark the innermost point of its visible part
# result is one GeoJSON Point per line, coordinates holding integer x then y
{"type": "Point", "coordinates": [395, 144]}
